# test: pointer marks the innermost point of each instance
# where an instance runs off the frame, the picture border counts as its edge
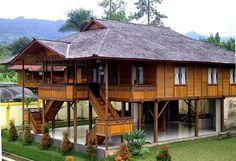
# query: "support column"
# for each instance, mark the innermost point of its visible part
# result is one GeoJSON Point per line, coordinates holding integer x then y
{"type": "Point", "coordinates": [155, 121]}
{"type": "Point", "coordinates": [75, 122]}
{"type": "Point", "coordinates": [132, 112]}
{"type": "Point", "coordinates": [106, 102]}
{"type": "Point", "coordinates": [90, 116]}
{"type": "Point", "coordinates": [139, 116]}
{"type": "Point", "coordinates": [196, 118]}
{"type": "Point", "coordinates": [43, 111]}
{"type": "Point", "coordinates": [122, 109]}
{"type": "Point", "coordinates": [68, 114]}
{"type": "Point", "coordinates": [23, 92]}
{"type": "Point", "coordinates": [222, 114]}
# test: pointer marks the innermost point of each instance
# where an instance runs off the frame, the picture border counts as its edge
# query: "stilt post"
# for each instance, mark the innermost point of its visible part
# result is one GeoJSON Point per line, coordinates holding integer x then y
{"type": "Point", "coordinates": [222, 114]}
{"type": "Point", "coordinates": [75, 122]}
{"type": "Point", "coordinates": [68, 114]}
{"type": "Point", "coordinates": [106, 102]}
{"type": "Point", "coordinates": [155, 122]}
{"type": "Point", "coordinates": [90, 116]}
{"type": "Point", "coordinates": [23, 92]}
{"type": "Point", "coordinates": [196, 118]}
{"type": "Point", "coordinates": [139, 116]}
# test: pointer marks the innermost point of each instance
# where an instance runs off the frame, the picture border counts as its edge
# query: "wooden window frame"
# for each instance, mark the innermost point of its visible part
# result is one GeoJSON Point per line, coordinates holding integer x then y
{"type": "Point", "coordinates": [234, 76]}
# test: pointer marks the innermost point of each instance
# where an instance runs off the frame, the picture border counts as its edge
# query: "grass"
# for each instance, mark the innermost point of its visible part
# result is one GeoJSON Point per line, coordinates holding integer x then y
{"type": "Point", "coordinates": [34, 153]}
{"type": "Point", "coordinates": [80, 122]}
{"type": "Point", "coordinates": [205, 149]}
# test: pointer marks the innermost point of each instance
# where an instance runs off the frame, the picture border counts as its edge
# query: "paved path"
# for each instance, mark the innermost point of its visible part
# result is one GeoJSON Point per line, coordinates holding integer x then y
{"type": "Point", "coordinates": [12, 157]}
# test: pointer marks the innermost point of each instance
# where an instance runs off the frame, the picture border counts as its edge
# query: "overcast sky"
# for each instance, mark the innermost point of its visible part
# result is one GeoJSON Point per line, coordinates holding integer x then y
{"type": "Point", "coordinates": [202, 16]}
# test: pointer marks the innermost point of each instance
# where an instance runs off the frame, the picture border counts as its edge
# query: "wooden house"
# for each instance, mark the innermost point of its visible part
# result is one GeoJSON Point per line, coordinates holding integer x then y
{"type": "Point", "coordinates": [116, 61]}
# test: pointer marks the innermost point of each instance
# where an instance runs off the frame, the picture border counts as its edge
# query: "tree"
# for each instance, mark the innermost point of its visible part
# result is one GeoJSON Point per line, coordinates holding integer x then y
{"type": "Point", "coordinates": [17, 45]}
{"type": "Point", "coordinates": [76, 20]}
{"type": "Point", "coordinates": [216, 40]}
{"type": "Point", "coordinates": [114, 10]}
{"type": "Point", "coordinates": [148, 8]}
{"type": "Point", "coordinates": [3, 51]}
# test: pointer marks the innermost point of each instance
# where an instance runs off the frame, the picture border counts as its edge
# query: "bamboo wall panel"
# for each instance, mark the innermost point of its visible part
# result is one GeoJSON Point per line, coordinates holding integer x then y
{"type": "Point", "coordinates": [233, 90]}
{"type": "Point", "coordinates": [125, 73]}
{"type": "Point", "coordinates": [169, 80]}
{"type": "Point", "coordinates": [212, 90]}
{"type": "Point", "coordinates": [226, 84]}
{"type": "Point", "coordinates": [198, 81]}
{"type": "Point", "coordinates": [190, 81]}
{"type": "Point", "coordinates": [220, 77]}
{"type": "Point", "coordinates": [180, 91]}
{"type": "Point", "coordinates": [160, 80]}
{"type": "Point", "coordinates": [204, 81]}
{"type": "Point", "coordinates": [149, 73]}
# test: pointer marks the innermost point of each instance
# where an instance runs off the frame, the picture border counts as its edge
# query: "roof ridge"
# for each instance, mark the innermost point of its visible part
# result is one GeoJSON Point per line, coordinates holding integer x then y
{"type": "Point", "coordinates": [104, 40]}
{"type": "Point", "coordinates": [131, 23]}
{"type": "Point", "coordinates": [54, 40]}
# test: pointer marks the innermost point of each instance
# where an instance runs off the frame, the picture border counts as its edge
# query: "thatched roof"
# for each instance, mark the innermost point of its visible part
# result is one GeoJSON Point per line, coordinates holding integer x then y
{"type": "Point", "coordinates": [120, 40]}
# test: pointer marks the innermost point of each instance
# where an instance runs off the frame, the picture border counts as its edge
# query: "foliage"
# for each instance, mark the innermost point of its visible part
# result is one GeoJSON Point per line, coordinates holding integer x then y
{"type": "Point", "coordinates": [27, 136]}
{"type": "Point", "coordinates": [76, 20]}
{"type": "Point", "coordinates": [28, 100]}
{"type": "Point", "coordinates": [46, 141]}
{"type": "Point", "coordinates": [7, 75]}
{"type": "Point", "coordinates": [123, 154]}
{"type": "Point", "coordinates": [66, 145]}
{"type": "Point", "coordinates": [13, 136]}
{"type": "Point", "coordinates": [216, 40]}
{"type": "Point", "coordinates": [91, 152]}
{"type": "Point", "coordinates": [3, 51]}
{"type": "Point", "coordinates": [17, 45]}
{"type": "Point", "coordinates": [136, 140]}
{"type": "Point", "coordinates": [163, 154]}
{"type": "Point", "coordinates": [148, 8]}
{"type": "Point", "coordinates": [69, 158]}
{"type": "Point", "coordinates": [114, 10]}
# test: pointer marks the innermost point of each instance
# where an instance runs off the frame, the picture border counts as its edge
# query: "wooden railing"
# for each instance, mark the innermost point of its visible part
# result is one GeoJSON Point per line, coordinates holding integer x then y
{"type": "Point", "coordinates": [63, 91]}
{"type": "Point", "coordinates": [130, 92]}
{"type": "Point", "coordinates": [96, 105]}
{"type": "Point", "coordinates": [117, 126]}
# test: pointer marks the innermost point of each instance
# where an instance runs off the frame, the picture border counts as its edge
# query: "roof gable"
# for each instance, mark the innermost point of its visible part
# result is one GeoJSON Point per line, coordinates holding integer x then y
{"type": "Point", "coordinates": [93, 25]}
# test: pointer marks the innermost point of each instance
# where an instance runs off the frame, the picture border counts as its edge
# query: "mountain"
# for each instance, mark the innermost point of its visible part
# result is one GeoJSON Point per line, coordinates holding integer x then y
{"type": "Point", "coordinates": [10, 29]}
{"type": "Point", "coordinates": [195, 35]}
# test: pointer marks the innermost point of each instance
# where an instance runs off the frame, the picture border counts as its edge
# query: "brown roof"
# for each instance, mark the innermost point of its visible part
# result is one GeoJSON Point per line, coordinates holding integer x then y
{"type": "Point", "coordinates": [120, 40]}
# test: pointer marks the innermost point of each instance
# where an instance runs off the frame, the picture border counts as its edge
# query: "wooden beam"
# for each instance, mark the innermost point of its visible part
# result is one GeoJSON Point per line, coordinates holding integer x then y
{"type": "Point", "coordinates": [196, 118]}
{"type": "Point", "coordinates": [163, 108]}
{"type": "Point", "coordinates": [155, 134]}
{"type": "Point", "coordinates": [68, 114]}
{"type": "Point", "coordinates": [132, 112]}
{"type": "Point", "coordinates": [222, 114]}
{"type": "Point", "coordinates": [23, 92]}
{"type": "Point", "coordinates": [106, 102]}
{"type": "Point", "coordinates": [189, 104]}
{"type": "Point", "coordinates": [122, 109]}
{"type": "Point", "coordinates": [139, 116]}
{"type": "Point", "coordinates": [75, 122]}
{"type": "Point", "coordinates": [43, 111]}
{"type": "Point", "coordinates": [90, 116]}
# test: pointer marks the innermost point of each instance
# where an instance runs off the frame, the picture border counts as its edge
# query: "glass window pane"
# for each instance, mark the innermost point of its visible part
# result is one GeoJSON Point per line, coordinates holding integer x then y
{"type": "Point", "coordinates": [176, 75]}
{"type": "Point", "coordinates": [209, 75]}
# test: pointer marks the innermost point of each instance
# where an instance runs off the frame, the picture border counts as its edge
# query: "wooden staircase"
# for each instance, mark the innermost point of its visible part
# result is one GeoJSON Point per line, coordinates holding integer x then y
{"type": "Point", "coordinates": [35, 118]}
{"type": "Point", "coordinates": [98, 104]}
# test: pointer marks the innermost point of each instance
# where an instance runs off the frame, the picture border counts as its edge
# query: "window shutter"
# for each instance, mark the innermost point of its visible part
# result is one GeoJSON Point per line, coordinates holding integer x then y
{"type": "Point", "coordinates": [215, 76]}
{"type": "Point", "coordinates": [209, 75]}
{"type": "Point", "coordinates": [183, 73]}
{"type": "Point", "coordinates": [176, 75]}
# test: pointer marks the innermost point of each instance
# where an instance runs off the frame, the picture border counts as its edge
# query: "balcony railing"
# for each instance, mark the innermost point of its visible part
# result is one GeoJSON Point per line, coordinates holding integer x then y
{"type": "Point", "coordinates": [129, 92]}
{"type": "Point", "coordinates": [63, 91]}
{"type": "Point", "coordinates": [117, 126]}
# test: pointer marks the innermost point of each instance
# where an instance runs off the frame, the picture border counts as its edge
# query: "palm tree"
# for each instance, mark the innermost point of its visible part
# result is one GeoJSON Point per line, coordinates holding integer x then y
{"type": "Point", "coordinates": [76, 20]}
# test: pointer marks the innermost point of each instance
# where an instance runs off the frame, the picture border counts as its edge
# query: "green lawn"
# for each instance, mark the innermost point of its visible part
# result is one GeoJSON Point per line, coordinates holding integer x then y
{"type": "Point", "coordinates": [206, 149]}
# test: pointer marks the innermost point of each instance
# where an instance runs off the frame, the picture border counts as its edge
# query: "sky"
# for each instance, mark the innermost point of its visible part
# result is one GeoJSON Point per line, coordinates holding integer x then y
{"type": "Point", "coordinates": [202, 16]}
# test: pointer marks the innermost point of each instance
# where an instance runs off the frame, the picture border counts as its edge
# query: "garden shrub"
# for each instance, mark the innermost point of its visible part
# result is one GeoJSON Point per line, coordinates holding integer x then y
{"type": "Point", "coordinates": [136, 140]}
{"type": "Point", "coordinates": [46, 141]}
{"type": "Point", "coordinates": [69, 158]}
{"type": "Point", "coordinates": [91, 152]}
{"type": "Point", "coordinates": [163, 154]}
{"type": "Point", "coordinates": [66, 144]}
{"type": "Point", "coordinates": [123, 154]}
{"type": "Point", "coordinates": [13, 136]}
{"type": "Point", "coordinates": [27, 136]}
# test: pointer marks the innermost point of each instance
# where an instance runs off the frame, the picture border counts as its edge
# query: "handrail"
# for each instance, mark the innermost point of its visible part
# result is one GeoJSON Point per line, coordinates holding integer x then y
{"type": "Point", "coordinates": [110, 107]}
{"type": "Point", "coordinates": [132, 87]}
{"type": "Point", "coordinates": [95, 103]}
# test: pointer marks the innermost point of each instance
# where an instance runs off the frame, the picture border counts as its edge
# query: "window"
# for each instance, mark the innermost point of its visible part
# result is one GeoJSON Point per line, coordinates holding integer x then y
{"type": "Point", "coordinates": [180, 75]}
{"type": "Point", "coordinates": [138, 74]}
{"type": "Point", "coordinates": [212, 75]}
{"type": "Point", "coordinates": [232, 76]}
